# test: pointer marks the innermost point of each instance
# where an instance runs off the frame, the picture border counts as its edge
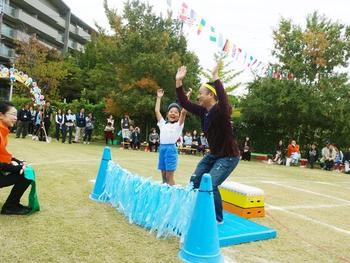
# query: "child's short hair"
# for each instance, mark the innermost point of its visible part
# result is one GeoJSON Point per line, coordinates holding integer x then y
{"type": "Point", "coordinates": [174, 105]}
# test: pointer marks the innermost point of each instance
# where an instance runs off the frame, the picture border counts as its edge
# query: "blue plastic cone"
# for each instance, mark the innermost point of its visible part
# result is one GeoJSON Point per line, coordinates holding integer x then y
{"type": "Point", "coordinates": [202, 239]}
{"type": "Point", "coordinates": [101, 176]}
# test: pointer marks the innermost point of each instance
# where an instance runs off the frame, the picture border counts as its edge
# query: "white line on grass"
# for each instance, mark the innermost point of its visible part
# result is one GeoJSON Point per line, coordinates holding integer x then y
{"type": "Point", "coordinates": [84, 161]}
{"type": "Point", "coordinates": [229, 260]}
{"type": "Point", "coordinates": [340, 184]}
{"type": "Point", "coordinates": [347, 232]}
{"type": "Point", "coordinates": [308, 191]}
{"type": "Point", "coordinates": [65, 161]}
{"type": "Point", "coordinates": [291, 207]}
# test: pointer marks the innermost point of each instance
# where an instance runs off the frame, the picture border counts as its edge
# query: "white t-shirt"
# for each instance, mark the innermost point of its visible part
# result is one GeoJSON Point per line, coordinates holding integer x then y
{"type": "Point", "coordinates": [169, 132]}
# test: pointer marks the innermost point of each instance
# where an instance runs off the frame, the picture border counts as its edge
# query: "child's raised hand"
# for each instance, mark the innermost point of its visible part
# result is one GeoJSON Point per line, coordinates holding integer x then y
{"type": "Point", "coordinates": [160, 93]}
{"type": "Point", "coordinates": [181, 73]}
{"type": "Point", "coordinates": [188, 94]}
{"type": "Point", "coordinates": [215, 71]}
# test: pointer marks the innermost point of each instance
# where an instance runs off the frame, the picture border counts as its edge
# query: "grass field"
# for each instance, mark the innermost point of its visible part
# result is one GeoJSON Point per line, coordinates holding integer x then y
{"type": "Point", "coordinates": [310, 209]}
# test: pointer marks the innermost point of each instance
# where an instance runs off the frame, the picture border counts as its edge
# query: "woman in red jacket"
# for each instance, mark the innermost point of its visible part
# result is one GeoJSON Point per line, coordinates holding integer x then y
{"type": "Point", "coordinates": [11, 169]}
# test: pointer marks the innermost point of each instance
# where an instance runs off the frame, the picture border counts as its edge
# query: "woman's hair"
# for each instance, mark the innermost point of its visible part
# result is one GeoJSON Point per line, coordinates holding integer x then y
{"type": "Point", "coordinates": [5, 106]}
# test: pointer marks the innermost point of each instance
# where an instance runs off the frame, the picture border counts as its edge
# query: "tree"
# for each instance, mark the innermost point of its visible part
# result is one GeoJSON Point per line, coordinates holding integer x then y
{"type": "Point", "coordinates": [142, 55]}
{"type": "Point", "coordinates": [71, 86]}
{"type": "Point", "coordinates": [44, 65]}
{"type": "Point", "coordinates": [226, 75]}
{"type": "Point", "coordinates": [313, 106]}
{"type": "Point", "coordinates": [313, 53]}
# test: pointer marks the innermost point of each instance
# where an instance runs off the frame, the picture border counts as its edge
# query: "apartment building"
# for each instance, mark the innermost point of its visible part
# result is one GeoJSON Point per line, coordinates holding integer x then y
{"type": "Point", "coordinates": [51, 21]}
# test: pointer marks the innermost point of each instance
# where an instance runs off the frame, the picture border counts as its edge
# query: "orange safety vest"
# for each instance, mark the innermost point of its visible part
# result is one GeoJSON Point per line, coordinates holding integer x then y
{"type": "Point", "coordinates": [292, 149]}
{"type": "Point", "coordinates": [5, 156]}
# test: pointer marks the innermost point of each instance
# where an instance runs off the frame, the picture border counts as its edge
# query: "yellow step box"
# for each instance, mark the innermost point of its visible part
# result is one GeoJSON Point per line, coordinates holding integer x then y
{"type": "Point", "coordinates": [242, 195]}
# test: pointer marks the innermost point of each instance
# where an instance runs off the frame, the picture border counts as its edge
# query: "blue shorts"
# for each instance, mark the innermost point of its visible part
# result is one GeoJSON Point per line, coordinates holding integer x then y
{"type": "Point", "coordinates": [167, 157]}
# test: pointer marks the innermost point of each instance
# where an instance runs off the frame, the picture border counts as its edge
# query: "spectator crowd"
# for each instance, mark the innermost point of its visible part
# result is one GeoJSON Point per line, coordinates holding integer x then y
{"type": "Point", "coordinates": [78, 127]}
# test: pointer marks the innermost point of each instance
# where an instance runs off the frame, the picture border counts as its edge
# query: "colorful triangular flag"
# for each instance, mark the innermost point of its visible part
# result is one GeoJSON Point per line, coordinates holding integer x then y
{"type": "Point", "coordinates": [234, 50]}
{"type": "Point", "coordinates": [220, 41]}
{"type": "Point", "coordinates": [250, 61]}
{"type": "Point", "coordinates": [201, 26]}
{"type": "Point", "coordinates": [253, 63]}
{"type": "Point", "coordinates": [239, 51]}
{"type": "Point", "coordinates": [183, 13]}
{"type": "Point", "coordinates": [245, 57]}
{"type": "Point", "coordinates": [192, 18]}
{"type": "Point", "coordinates": [212, 34]}
{"type": "Point", "coordinates": [227, 47]}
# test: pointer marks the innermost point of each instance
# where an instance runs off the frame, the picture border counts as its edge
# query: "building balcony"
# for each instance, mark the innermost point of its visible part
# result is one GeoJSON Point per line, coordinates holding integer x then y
{"type": "Point", "coordinates": [6, 52]}
{"type": "Point", "coordinates": [37, 24]}
{"type": "Point", "coordinates": [60, 38]}
{"type": "Point", "coordinates": [72, 44]}
{"type": "Point", "coordinates": [10, 11]}
{"type": "Point", "coordinates": [50, 13]}
{"type": "Point", "coordinates": [8, 32]}
{"type": "Point", "coordinates": [79, 32]}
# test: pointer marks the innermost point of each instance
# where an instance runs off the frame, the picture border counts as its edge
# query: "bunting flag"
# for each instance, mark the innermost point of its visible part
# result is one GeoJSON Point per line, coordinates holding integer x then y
{"type": "Point", "coordinates": [270, 72]}
{"type": "Point", "coordinates": [250, 61]}
{"type": "Point", "coordinates": [201, 26]}
{"type": "Point", "coordinates": [212, 34]}
{"type": "Point", "coordinates": [254, 63]}
{"type": "Point", "coordinates": [189, 17]}
{"type": "Point", "coordinates": [183, 13]}
{"type": "Point", "coordinates": [245, 58]}
{"type": "Point", "coordinates": [290, 76]}
{"type": "Point", "coordinates": [193, 17]}
{"type": "Point", "coordinates": [234, 51]}
{"type": "Point", "coordinates": [220, 41]}
{"type": "Point", "coordinates": [239, 51]}
{"type": "Point", "coordinates": [227, 47]}
{"type": "Point", "coordinates": [258, 65]}
{"type": "Point", "coordinates": [276, 74]}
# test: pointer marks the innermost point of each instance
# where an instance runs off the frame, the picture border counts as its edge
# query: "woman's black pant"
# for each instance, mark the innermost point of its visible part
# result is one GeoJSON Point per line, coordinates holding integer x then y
{"type": "Point", "coordinates": [20, 185]}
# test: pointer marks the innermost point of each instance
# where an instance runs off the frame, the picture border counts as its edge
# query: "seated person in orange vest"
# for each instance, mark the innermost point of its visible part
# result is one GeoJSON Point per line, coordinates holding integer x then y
{"type": "Point", "coordinates": [11, 169]}
{"type": "Point", "coordinates": [293, 153]}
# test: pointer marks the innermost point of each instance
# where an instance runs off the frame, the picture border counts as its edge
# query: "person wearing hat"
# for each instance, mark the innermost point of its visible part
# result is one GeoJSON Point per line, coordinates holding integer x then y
{"type": "Point", "coordinates": [11, 169]}
{"type": "Point", "coordinates": [170, 131]}
{"type": "Point", "coordinates": [215, 112]}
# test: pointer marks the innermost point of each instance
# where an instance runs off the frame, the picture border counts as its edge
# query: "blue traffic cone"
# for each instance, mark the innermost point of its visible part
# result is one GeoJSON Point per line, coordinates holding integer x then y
{"type": "Point", "coordinates": [101, 176]}
{"type": "Point", "coordinates": [202, 239]}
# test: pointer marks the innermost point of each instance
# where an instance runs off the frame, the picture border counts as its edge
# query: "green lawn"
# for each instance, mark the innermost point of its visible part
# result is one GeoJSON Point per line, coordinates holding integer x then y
{"type": "Point", "coordinates": [310, 209]}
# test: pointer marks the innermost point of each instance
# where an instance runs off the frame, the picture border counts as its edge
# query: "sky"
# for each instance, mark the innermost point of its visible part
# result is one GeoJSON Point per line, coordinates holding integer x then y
{"type": "Point", "coordinates": [247, 23]}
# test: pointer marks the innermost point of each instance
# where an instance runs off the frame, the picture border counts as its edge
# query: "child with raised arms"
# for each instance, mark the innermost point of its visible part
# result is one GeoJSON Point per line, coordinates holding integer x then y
{"type": "Point", "coordinates": [170, 131]}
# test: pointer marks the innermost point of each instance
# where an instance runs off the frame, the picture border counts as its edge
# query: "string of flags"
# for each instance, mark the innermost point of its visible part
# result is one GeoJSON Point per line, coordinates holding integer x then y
{"type": "Point", "coordinates": [189, 17]}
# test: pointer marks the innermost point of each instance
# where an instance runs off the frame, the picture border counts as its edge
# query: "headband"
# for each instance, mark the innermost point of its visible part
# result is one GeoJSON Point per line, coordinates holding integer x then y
{"type": "Point", "coordinates": [211, 88]}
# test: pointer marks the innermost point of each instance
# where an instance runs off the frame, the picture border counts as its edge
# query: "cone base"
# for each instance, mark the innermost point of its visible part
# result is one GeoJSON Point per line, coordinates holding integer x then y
{"type": "Point", "coordinates": [192, 258]}
{"type": "Point", "coordinates": [95, 197]}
